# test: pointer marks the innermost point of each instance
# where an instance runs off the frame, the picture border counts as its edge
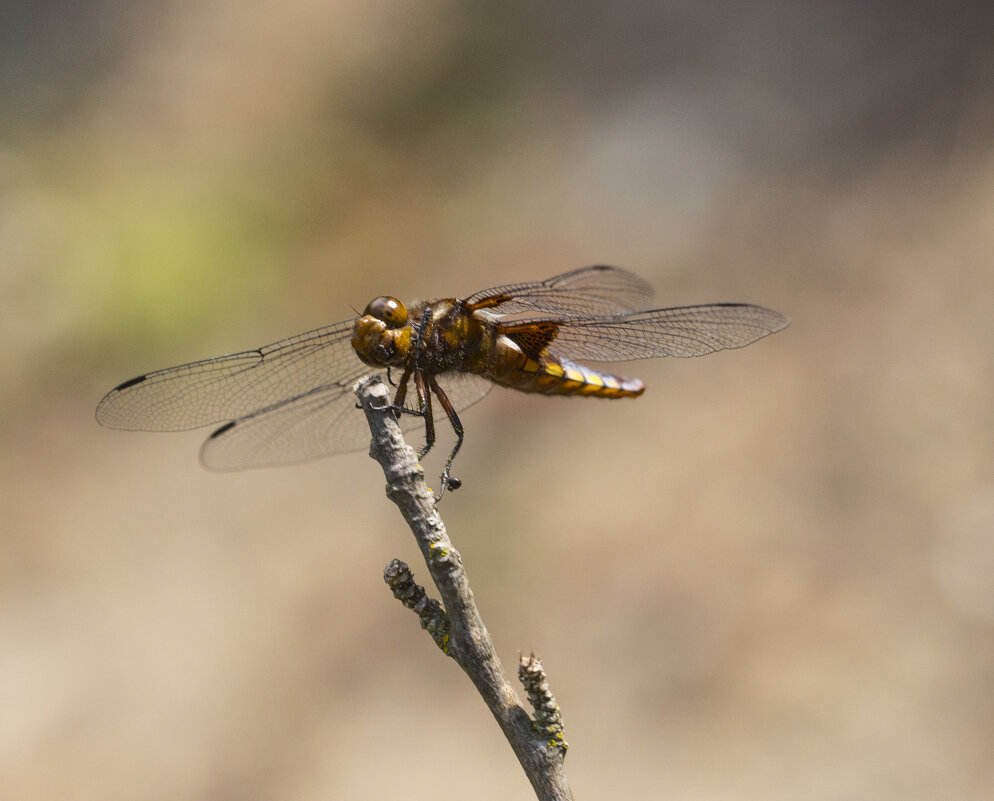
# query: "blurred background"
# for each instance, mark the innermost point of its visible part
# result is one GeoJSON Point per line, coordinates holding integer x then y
{"type": "Point", "coordinates": [768, 578]}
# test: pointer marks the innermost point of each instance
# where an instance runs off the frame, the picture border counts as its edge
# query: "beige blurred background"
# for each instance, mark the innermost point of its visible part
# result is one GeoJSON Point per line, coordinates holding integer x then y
{"type": "Point", "coordinates": [772, 577]}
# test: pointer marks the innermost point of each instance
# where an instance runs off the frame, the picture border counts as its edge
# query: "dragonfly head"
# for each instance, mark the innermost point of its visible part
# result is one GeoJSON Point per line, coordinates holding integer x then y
{"type": "Point", "coordinates": [382, 336]}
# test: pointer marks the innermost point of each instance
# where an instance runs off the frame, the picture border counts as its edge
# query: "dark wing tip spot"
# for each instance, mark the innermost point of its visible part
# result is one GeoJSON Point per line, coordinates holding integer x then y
{"type": "Point", "coordinates": [130, 383]}
{"type": "Point", "coordinates": [222, 429]}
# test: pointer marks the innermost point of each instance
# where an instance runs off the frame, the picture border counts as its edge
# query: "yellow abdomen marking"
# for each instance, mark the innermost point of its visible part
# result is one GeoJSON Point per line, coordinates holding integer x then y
{"type": "Point", "coordinates": [567, 378]}
{"type": "Point", "coordinates": [552, 376]}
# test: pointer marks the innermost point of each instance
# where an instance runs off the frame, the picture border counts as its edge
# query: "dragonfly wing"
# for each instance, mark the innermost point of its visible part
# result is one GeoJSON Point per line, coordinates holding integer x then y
{"type": "Point", "coordinates": [587, 292]}
{"type": "Point", "coordinates": [682, 332]}
{"type": "Point", "coordinates": [234, 386]}
{"type": "Point", "coordinates": [464, 389]}
{"type": "Point", "coordinates": [319, 423]}
{"type": "Point", "coordinates": [322, 422]}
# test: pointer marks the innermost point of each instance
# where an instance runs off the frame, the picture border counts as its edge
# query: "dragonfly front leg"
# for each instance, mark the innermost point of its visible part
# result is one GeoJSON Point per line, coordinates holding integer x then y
{"type": "Point", "coordinates": [447, 480]}
{"type": "Point", "coordinates": [398, 399]}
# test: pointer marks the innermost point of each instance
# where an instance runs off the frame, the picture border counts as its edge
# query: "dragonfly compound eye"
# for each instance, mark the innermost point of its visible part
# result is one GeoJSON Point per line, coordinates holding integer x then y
{"type": "Point", "coordinates": [389, 310]}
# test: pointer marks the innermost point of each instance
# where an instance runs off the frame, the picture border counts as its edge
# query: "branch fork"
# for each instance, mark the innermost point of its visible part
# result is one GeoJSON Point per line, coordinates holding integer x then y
{"type": "Point", "coordinates": [454, 623]}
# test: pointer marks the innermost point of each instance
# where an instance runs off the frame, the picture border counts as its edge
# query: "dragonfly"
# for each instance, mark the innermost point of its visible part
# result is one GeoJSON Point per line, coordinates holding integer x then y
{"type": "Point", "coordinates": [292, 401]}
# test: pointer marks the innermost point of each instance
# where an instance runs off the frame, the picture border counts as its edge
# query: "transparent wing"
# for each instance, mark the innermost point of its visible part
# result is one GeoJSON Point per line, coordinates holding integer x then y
{"type": "Point", "coordinates": [681, 331]}
{"type": "Point", "coordinates": [322, 422]}
{"type": "Point", "coordinates": [464, 389]}
{"type": "Point", "coordinates": [319, 423]}
{"type": "Point", "coordinates": [230, 387]}
{"type": "Point", "coordinates": [587, 292]}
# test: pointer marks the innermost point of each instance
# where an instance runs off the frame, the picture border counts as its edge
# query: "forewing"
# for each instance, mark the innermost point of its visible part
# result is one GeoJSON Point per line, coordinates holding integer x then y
{"type": "Point", "coordinates": [234, 386]}
{"type": "Point", "coordinates": [682, 331]}
{"type": "Point", "coordinates": [587, 292]}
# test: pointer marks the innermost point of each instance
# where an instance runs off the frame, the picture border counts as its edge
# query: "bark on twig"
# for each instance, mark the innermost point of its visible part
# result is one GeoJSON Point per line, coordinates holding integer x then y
{"type": "Point", "coordinates": [456, 626]}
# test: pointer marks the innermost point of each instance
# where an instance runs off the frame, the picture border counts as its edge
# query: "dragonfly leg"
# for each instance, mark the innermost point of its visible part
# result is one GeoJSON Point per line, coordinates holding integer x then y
{"type": "Point", "coordinates": [447, 480]}
{"type": "Point", "coordinates": [398, 399]}
{"type": "Point", "coordinates": [424, 406]}
{"type": "Point", "coordinates": [424, 409]}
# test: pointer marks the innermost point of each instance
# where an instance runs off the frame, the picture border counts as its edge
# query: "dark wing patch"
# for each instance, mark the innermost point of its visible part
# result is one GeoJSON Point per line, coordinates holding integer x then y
{"type": "Point", "coordinates": [587, 292]}
{"type": "Point", "coordinates": [532, 337]}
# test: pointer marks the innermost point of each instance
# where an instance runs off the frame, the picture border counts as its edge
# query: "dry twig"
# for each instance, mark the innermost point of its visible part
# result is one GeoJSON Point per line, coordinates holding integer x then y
{"type": "Point", "coordinates": [455, 625]}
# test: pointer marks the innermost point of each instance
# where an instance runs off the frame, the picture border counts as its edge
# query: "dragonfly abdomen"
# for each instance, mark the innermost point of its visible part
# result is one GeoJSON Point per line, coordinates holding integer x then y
{"type": "Point", "coordinates": [552, 376]}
